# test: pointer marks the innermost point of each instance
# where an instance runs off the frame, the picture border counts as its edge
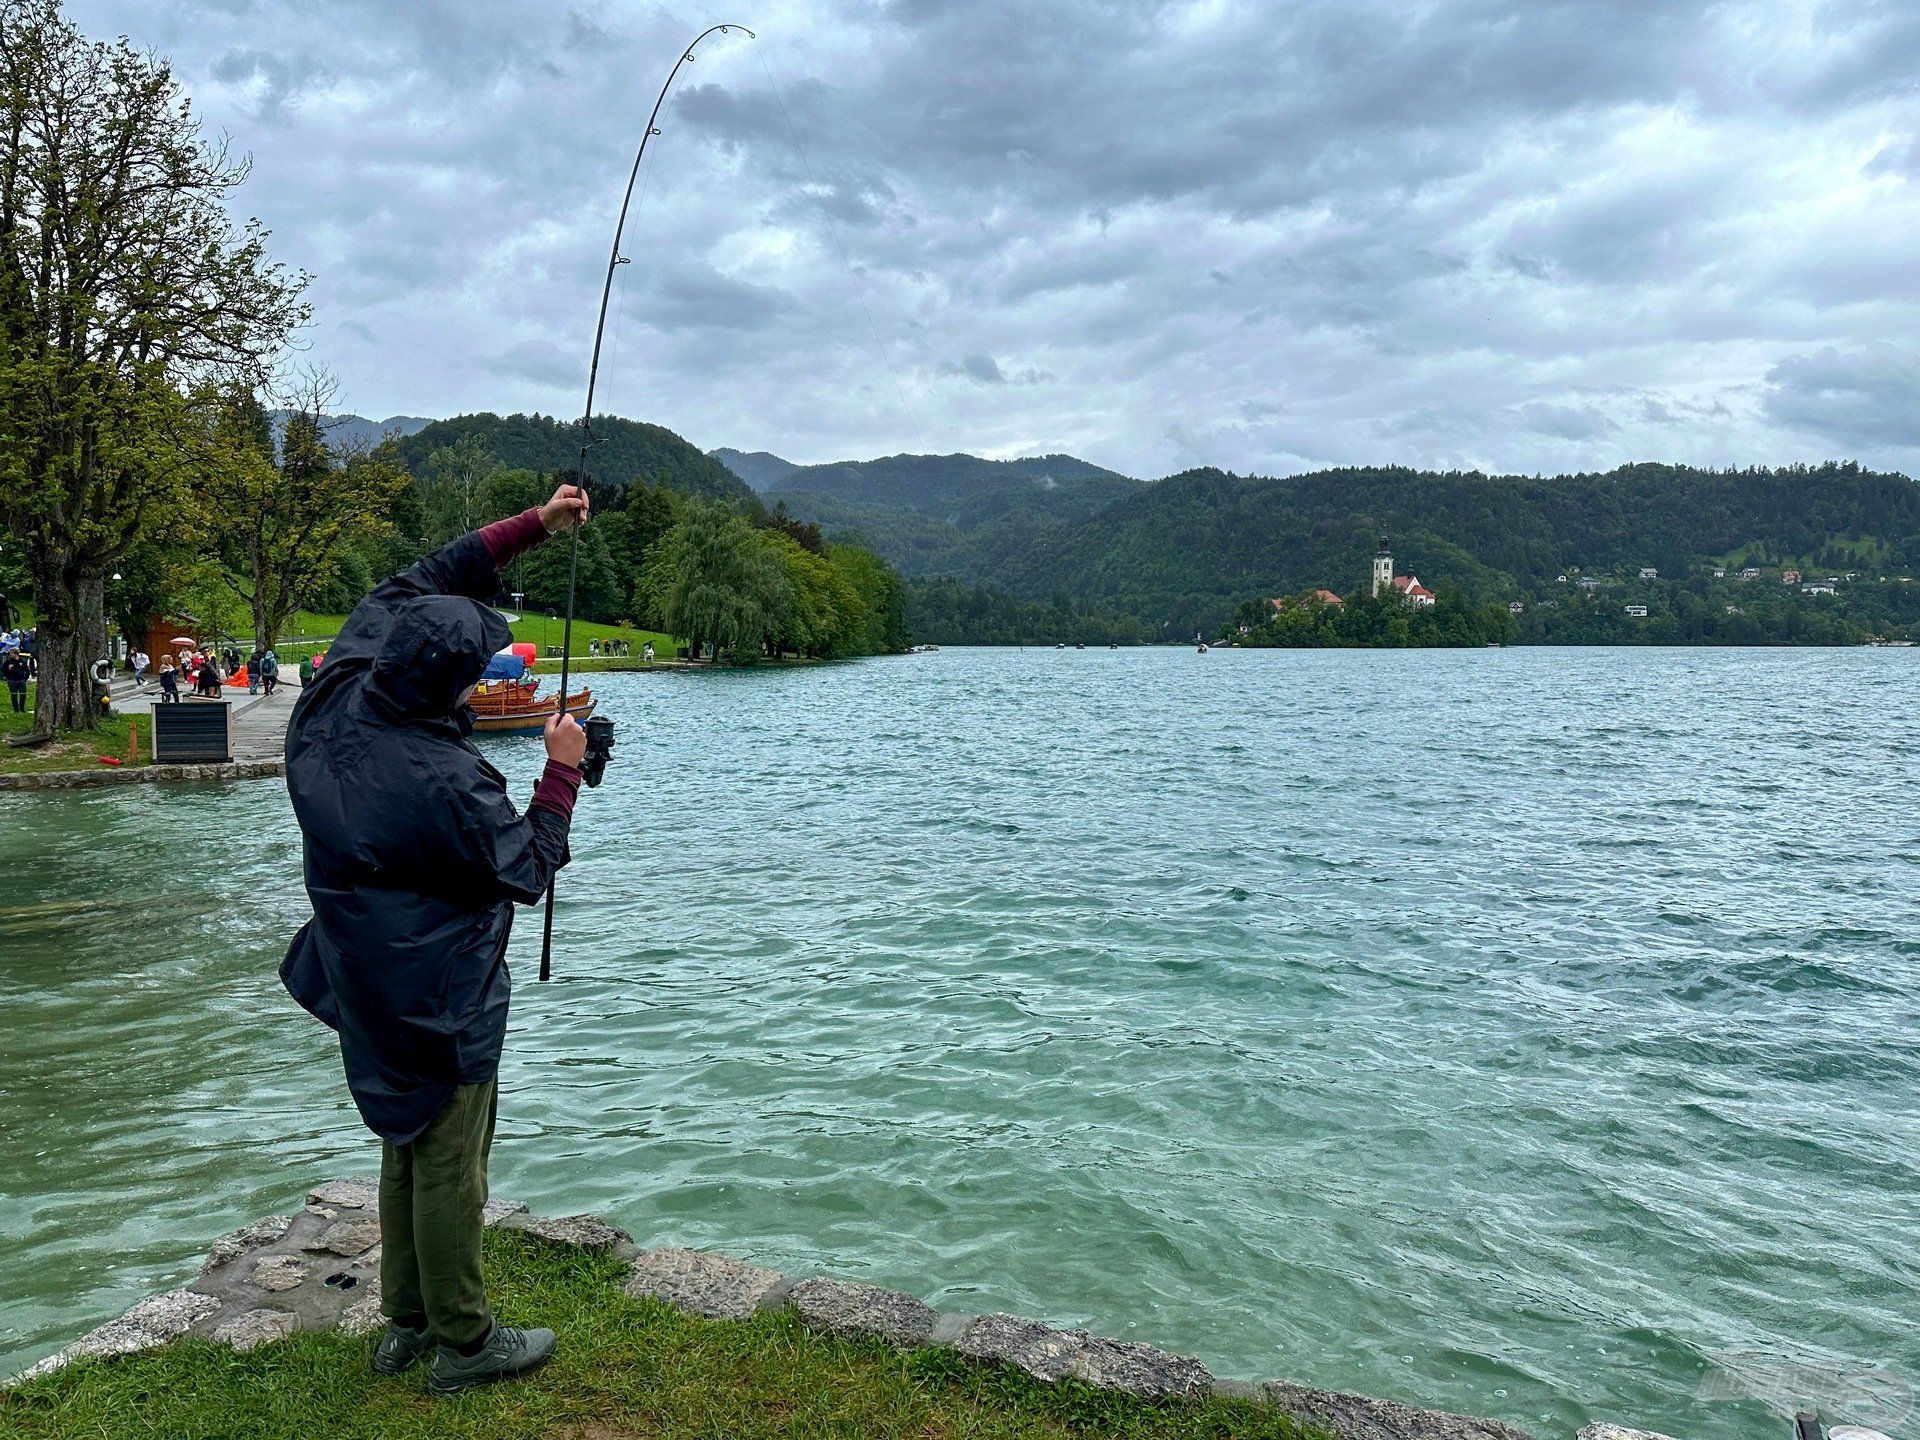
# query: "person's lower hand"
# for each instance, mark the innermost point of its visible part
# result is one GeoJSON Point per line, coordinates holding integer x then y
{"type": "Point", "coordinates": [566, 741]}
{"type": "Point", "coordinates": [569, 506]}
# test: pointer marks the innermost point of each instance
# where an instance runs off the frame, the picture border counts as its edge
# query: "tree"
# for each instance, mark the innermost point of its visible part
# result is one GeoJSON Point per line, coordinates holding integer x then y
{"type": "Point", "coordinates": [453, 488]}
{"type": "Point", "coordinates": [127, 297]}
{"type": "Point", "coordinates": [289, 526]}
{"type": "Point", "coordinates": [715, 580]}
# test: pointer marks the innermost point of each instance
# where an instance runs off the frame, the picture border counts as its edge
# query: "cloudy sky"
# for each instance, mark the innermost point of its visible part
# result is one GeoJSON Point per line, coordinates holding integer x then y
{"type": "Point", "coordinates": [1506, 234]}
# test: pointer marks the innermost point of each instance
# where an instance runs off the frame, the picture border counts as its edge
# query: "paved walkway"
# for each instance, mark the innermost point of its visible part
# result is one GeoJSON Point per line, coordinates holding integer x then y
{"type": "Point", "coordinates": [259, 722]}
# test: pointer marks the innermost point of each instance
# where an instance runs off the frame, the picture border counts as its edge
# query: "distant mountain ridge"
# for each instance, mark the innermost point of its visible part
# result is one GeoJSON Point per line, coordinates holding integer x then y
{"type": "Point", "coordinates": [356, 432]}
{"type": "Point", "coordinates": [758, 468]}
{"type": "Point", "coordinates": [927, 513]}
{"type": "Point", "coordinates": [624, 451]}
{"type": "Point", "coordinates": [1181, 552]}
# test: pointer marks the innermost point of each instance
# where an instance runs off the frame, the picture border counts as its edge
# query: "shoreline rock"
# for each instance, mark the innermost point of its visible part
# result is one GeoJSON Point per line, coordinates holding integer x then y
{"type": "Point", "coordinates": [318, 1269]}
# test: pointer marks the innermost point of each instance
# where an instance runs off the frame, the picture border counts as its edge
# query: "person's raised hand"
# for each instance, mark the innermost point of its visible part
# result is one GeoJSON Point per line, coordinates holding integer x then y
{"type": "Point", "coordinates": [566, 741]}
{"type": "Point", "coordinates": [569, 506]}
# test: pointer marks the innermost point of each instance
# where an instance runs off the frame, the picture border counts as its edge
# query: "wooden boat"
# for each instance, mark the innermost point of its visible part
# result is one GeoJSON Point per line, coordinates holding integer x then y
{"type": "Point", "coordinates": [495, 696]}
{"type": "Point", "coordinates": [530, 718]}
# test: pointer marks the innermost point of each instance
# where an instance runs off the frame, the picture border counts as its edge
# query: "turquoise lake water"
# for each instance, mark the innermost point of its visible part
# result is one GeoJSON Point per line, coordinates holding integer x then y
{"type": "Point", "coordinates": [1534, 1033]}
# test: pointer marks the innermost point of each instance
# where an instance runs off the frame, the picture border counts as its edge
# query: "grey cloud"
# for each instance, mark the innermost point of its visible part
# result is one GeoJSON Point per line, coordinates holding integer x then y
{"type": "Point", "coordinates": [1865, 399]}
{"type": "Point", "coordinates": [1505, 234]}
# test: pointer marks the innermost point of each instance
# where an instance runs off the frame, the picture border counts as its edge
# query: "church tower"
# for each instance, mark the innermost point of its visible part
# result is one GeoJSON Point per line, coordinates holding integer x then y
{"type": "Point", "coordinates": [1382, 569]}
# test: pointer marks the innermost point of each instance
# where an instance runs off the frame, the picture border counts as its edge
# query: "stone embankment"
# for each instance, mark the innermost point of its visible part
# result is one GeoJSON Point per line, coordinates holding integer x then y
{"type": "Point", "coordinates": [319, 1269]}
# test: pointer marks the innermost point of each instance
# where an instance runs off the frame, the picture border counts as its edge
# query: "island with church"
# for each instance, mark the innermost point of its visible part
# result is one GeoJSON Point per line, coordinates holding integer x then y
{"type": "Point", "coordinates": [1388, 611]}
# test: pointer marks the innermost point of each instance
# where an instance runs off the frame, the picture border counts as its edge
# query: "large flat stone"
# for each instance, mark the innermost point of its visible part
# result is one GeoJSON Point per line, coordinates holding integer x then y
{"type": "Point", "coordinates": [706, 1284]}
{"type": "Point", "coordinates": [255, 1327]}
{"type": "Point", "coordinates": [354, 1192]}
{"type": "Point", "coordinates": [1606, 1430]}
{"type": "Point", "coordinates": [348, 1237]}
{"type": "Point", "coordinates": [363, 1316]}
{"type": "Point", "coordinates": [147, 1326]}
{"type": "Point", "coordinates": [589, 1232]}
{"type": "Point", "coordinates": [1008, 1339]}
{"type": "Point", "coordinates": [1136, 1369]}
{"type": "Point", "coordinates": [1357, 1417]}
{"type": "Point", "coordinates": [498, 1210]}
{"type": "Point", "coordinates": [846, 1307]}
{"type": "Point", "coordinates": [259, 1234]}
{"type": "Point", "coordinates": [280, 1272]}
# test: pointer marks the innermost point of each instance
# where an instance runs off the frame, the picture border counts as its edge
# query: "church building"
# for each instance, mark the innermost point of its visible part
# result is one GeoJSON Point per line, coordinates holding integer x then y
{"type": "Point", "coordinates": [1409, 586]}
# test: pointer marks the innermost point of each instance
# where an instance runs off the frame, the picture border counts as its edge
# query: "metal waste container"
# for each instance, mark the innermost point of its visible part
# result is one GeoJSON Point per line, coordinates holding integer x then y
{"type": "Point", "coordinates": [193, 732]}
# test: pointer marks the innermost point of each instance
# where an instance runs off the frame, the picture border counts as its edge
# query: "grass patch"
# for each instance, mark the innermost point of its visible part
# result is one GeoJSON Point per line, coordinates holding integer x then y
{"type": "Point", "coordinates": [73, 751]}
{"type": "Point", "coordinates": [533, 627]}
{"type": "Point", "coordinates": [626, 1370]}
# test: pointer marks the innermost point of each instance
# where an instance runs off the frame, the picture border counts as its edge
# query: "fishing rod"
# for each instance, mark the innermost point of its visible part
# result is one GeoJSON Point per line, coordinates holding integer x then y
{"type": "Point", "coordinates": [600, 728]}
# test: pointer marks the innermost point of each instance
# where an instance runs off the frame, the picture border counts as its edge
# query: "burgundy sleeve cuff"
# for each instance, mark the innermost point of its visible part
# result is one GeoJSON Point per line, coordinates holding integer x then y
{"type": "Point", "coordinates": [511, 538]}
{"type": "Point", "coordinates": [559, 787]}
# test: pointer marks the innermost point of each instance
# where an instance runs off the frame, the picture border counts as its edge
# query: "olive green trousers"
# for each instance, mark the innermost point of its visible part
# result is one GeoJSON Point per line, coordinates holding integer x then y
{"type": "Point", "coordinates": [433, 1192]}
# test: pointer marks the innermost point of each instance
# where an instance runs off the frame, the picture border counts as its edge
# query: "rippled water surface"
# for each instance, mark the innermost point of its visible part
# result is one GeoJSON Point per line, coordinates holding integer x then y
{"type": "Point", "coordinates": [1526, 1032]}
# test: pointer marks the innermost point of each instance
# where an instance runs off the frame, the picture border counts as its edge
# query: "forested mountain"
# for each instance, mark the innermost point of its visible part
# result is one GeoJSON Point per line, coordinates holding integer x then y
{"type": "Point", "coordinates": [1180, 553]}
{"type": "Point", "coordinates": [1178, 549]}
{"type": "Point", "coordinates": [625, 450]}
{"type": "Point", "coordinates": [757, 467]}
{"type": "Point", "coordinates": [947, 514]}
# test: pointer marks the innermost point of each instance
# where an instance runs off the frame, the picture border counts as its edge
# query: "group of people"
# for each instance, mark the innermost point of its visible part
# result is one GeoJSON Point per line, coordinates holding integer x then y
{"type": "Point", "coordinates": [206, 671]}
{"type": "Point", "coordinates": [616, 647]}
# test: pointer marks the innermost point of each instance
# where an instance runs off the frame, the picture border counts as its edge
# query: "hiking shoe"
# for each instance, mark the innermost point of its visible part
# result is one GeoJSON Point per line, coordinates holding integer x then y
{"type": "Point", "coordinates": [400, 1349]}
{"type": "Point", "coordinates": [508, 1352]}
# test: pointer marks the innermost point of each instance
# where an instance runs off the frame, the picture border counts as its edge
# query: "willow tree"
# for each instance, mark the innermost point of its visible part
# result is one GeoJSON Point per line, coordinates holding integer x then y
{"type": "Point", "coordinates": [127, 297]}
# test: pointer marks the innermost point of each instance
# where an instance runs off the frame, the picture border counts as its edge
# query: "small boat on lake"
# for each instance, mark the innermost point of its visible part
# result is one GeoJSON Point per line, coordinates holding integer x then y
{"type": "Point", "coordinates": [530, 716]}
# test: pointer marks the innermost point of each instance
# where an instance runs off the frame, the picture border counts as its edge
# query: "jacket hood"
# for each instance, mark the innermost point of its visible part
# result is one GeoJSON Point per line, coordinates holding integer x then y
{"type": "Point", "coordinates": [435, 647]}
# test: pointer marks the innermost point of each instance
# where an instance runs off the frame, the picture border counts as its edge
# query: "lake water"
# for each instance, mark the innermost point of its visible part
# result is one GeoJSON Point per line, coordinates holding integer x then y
{"type": "Point", "coordinates": [1525, 1032]}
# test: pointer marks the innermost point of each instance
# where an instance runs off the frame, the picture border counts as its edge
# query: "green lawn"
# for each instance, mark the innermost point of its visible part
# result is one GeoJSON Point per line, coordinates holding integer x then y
{"type": "Point", "coordinates": [533, 627]}
{"type": "Point", "coordinates": [625, 1368]}
{"type": "Point", "coordinates": [70, 752]}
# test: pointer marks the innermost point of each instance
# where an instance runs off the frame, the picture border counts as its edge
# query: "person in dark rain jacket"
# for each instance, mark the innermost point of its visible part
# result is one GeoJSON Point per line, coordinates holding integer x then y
{"type": "Point", "coordinates": [415, 857]}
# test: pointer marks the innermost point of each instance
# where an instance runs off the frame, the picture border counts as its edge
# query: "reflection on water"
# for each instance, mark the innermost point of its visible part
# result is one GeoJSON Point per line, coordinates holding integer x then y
{"type": "Point", "coordinates": [1530, 1033]}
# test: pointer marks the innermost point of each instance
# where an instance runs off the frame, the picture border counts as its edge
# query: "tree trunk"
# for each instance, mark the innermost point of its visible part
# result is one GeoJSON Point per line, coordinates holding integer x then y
{"type": "Point", "coordinates": [72, 635]}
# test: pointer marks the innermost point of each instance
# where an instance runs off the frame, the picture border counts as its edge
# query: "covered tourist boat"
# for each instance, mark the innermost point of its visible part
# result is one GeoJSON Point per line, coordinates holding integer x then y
{"type": "Point", "coordinates": [507, 701]}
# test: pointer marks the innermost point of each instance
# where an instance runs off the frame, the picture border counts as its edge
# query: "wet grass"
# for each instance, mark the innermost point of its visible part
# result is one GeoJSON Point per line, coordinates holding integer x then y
{"type": "Point", "coordinates": [74, 751]}
{"type": "Point", "coordinates": [625, 1368]}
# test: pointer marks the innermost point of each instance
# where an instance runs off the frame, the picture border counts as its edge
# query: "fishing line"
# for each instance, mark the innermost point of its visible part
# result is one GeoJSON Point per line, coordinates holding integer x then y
{"type": "Point", "coordinates": [846, 262]}
{"type": "Point", "coordinates": [599, 728]}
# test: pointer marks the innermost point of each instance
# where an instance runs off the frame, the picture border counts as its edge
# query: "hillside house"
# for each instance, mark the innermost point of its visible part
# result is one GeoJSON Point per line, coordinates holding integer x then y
{"type": "Point", "coordinates": [1636, 612]}
{"type": "Point", "coordinates": [1750, 573]}
{"type": "Point", "coordinates": [1647, 572]}
{"type": "Point", "coordinates": [1789, 577]}
{"type": "Point", "coordinates": [1820, 587]}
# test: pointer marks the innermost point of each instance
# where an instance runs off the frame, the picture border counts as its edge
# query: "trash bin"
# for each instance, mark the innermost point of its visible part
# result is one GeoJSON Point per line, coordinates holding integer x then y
{"type": "Point", "coordinates": [193, 732]}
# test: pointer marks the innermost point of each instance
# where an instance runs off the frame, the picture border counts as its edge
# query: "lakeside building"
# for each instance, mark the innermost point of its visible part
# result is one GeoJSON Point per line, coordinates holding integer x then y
{"type": "Point", "coordinates": [1324, 597]}
{"type": "Point", "coordinates": [1412, 591]}
{"type": "Point", "coordinates": [1409, 586]}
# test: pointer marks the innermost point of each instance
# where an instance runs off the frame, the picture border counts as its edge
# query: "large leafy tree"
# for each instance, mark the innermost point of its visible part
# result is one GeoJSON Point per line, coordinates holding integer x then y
{"type": "Point", "coordinates": [289, 523]}
{"type": "Point", "coordinates": [717, 581]}
{"type": "Point", "coordinates": [128, 299]}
